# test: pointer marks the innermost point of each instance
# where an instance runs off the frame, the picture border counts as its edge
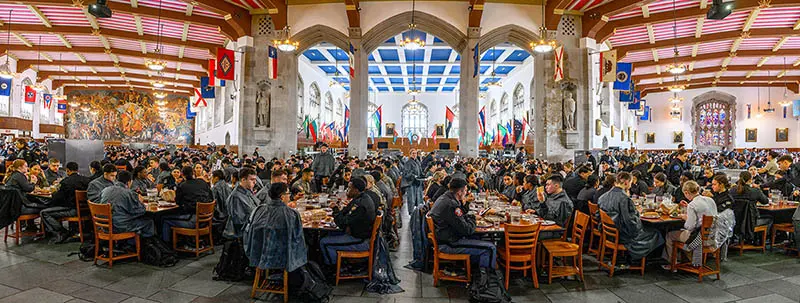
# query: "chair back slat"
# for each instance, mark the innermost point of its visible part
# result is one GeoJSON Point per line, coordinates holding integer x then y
{"type": "Point", "coordinates": [204, 215]}
{"type": "Point", "coordinates": [705, 229]}
{"type": "Point", "coordinates": [518, 237]}
{"type": "Point", "coordinates": [375, 227]}
{"type": "Point", "coordinates": [81, 202]}
{"type": "Point", "coordinates": [610, 231]}
{"type": "Point", "coordinates": [579, 228]}
{"type": "Point", "coordinates": [432, 233]}
{"type": "Point", "coordinates": [101, 217]}
{"type": "Point", "coordinates": [593, 208]}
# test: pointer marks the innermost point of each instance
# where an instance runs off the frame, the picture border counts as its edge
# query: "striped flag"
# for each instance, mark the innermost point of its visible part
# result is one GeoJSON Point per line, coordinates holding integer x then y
{"type": "Point", "coordinates": [48, 100]}
{"type": "Point", "coordinates": [482, 120]}
{"type": "Point", "coordinates": [352, 62]}
{"type": "Point", "coordinates": [272, 63]}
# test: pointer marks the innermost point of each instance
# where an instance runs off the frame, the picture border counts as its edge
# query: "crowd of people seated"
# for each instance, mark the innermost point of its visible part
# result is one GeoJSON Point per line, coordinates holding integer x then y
{"type": "Point", "coordinates": [255, 197]}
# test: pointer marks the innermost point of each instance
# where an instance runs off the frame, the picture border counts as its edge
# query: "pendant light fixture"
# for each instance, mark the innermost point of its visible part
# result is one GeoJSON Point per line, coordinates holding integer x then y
{"type": "Point", "coordinates": [157, 64]}
{"type": "Point", "coordinates": [785, 102]}
{"type": "Point", "coordinates": [758, 109]}
{"type": "Point", "coordinates": [544, 45]}
{"type": "Point", "coordinates": [769, 108]}
{"type": "Point", "coordinates": [414, 91]}
{"type": "Point", "coordinates": [286, 45]}
{"type": "Point", "coordinates": [160, 95]}
{"type": "Point", "coordinates": [494, 81]}
{"type": "Point", "coordinates": [335, 81]}
{"type": "Point", "coordinates": [5, 69]}
{"type": "Point", "coordinates": [415, 43]}
{"type": "Point", "coordinates": [38, 86]}
{"type": "Point", "coordinates": [60, 96]}
{"type": "Point", "coordinates": [675, 68]}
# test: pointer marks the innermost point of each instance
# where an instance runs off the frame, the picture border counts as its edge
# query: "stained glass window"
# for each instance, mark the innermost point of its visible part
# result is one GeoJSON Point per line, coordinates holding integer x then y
{"type": "Point", "coordinates": [713, 124]}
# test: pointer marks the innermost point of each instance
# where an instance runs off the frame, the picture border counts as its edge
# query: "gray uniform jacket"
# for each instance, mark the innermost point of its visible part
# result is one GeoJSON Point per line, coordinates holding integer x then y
{"type": "Point", "coordinates": [619, 206]}
{"type": "Point", "coordinates": [323, 164]}
{"type": "Point", "coordinates": [411, 172]}
{"type": "Point", "coordinates": [96, 188]}
{"type": "Point", "coordinates": [127, 212]}
{"type": "Point", "coordinates": [221, 191]}
{"type": "Point", "coordinates": [240, 204]}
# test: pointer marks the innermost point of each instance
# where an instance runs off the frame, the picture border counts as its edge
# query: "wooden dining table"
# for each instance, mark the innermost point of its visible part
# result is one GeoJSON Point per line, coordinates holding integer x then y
{"type": "Point", "coordinates": [778, 207]}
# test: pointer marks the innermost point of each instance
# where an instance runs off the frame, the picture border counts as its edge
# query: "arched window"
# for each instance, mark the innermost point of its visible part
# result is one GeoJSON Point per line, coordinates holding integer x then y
{"type": "Point", "coordinates": [371, 129]}
{"type": "Point", "coordinates": [505, 115]}
{"type": "Point", "coordinates": [519, 101]}
{"type": "Point", "coordinates": [339, 112]}
{"type": "Point", "coordinates": [327, 113]}
{"type": "Point", "coordinates": [415, 119]}
{"type": "Point", "coordinates": [313, 101]}
{"type": "Point", "coordinates": [492, 113]}
{"type": "Point", "coordinates": [301, 90]}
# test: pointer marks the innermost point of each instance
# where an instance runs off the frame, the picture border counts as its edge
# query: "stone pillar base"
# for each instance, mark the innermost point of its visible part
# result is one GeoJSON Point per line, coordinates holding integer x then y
{"type": "Point", "coordinates": [569, 138]}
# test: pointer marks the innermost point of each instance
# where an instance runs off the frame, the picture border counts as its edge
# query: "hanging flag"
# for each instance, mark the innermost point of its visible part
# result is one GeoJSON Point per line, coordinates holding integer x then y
{"type": "Point", "coordinates": [517, 130]}
{"type": "Point", "coordinates": [482, 120]}
{"type": "Point", "coordinates": [340, 132]}
{"type": "Point", "coordinates": [394, 136]}
{"type": "Point", "coordinates": [410, 138]}
{"type": "Point", "coordinates": [372, 135]}
{"type": "Point", "coordinates": [190, 114]}
{"type": "Point", "coordinates": [47, 100]}
{"type": "Point", "coordinates": [433, 135]}
{"type": "Point", "coordinates": [377, 119]}
{"type": "Point", "coordinates": [30, 95]}
{"type": "Point", "coordinates": [312, 129]}
{"type": "Point", "coordinates": [352, 61]}
{"type": "Point", "coordinates": [226, 64]}
{"type": "Point", "coordinates": [346, 120]}
{"type": "Point", "coordinates": [748, 111]}
{"type": "Point", "coordinates": [5, 87]}
{"type": "Point", "coordinates": [212, 70]}
{"type": "Point", "coordinates": [272, 63]}
{"type": "Point", "coordinates": [449, 116]}
{"type": "Point", "coordinates": [62, 106]}
{"type": "Point", "coordinates": [207, 89]}
{"type": "Point", "coordinates": [524, 129]}
{"type": "Point", "coordinates": [608, 66]}
{"type": "Point", "coordinates": [559, 58]}
{"type": "Point", "coordinates": [635, 104]}
{"type": "Point", "coordinates": [304, 126]}
{"type": "Point", "coordinates": [627, 96]}
{"type": "Point", "coordinates": [646, 115]}
{"type": "Point", "coordinates": [623, 80]}
{"type": "Point", "coordinates": [509, 131]}
{"type": "Point", "coordinates": [200, 102]}
{"type": "Point", "coordinates": [476, 61]}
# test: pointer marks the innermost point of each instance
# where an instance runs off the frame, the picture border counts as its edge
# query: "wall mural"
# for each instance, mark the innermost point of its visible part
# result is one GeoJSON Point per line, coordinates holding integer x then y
{"type": "Point", "coordinates": [129, 116]}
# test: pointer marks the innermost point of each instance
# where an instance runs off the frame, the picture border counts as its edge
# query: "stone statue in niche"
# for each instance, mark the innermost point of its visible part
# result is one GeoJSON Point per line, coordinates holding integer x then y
{"type": "Point", "coordinates": [569, 105]}
{"type": "Point", "coordinates": [263, 104]}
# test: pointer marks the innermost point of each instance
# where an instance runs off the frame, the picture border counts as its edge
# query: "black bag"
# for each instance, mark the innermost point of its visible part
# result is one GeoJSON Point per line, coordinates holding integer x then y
{"type": "Point", "coordinates": [488, 287]}
{"type": "Point", "coordinates": [314, 287]}
{"type": "Point", "coordinates": [233, 263]}
{"type": "Point", "coordinates": [86, 252]}
{"type": "Point", "coordinates": [155, 252]}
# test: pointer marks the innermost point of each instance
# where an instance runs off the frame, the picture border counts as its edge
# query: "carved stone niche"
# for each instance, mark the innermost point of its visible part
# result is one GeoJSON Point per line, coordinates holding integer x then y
{"type": "Point", "coordinates": [714, 121]}
{"type": "Point", "coordinates": [569, 106]}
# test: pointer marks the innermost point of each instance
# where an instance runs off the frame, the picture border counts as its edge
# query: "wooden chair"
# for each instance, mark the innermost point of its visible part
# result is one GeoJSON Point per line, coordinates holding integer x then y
{"type": "Point", "coordinates": [565, 249]}
{"type": "Point", "coordinates": [788, 228]}
{"type": "Point", "coordinates": [359, 254]}
{"type": "Point", "coordinates": [438, 256]}
{"type": "Point", "coordinates": [19, 234]}
{"type": "Point", "coordinates": [202, 227]}
{"type": "Point", "coordinates": [703, 270]}
{"type": "Point", "coordinates": [763, 247]}
{"type": "Point", "coordinates": [104, 230]}
{"type": "Point", "coordinates": [83, 213]}
{"type": "Point", "coordinates": [264, 285]}
{"type": "Point", "coordinates": [610, 241]}
{"type": "Point", "coordinates": [594, 226]}
{"type": "Point", "coordinates": [520, 247]}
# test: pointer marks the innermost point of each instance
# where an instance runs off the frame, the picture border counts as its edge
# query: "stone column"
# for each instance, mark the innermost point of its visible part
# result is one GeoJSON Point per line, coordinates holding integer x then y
{"type": "Point", "coordinates": [468, 97]}
{"type": "Point", "coordinates": [359, 98]}
{"type": "Point", "coordinates": [277, 137]}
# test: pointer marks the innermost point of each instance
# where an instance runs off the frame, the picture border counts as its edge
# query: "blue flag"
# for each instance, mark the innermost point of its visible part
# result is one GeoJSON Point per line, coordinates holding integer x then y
{"type": "Point", "coordinates": [623, 76]}
{"type": "Point", "coordinates": [5, 87]}
{"type": "Point", "coordinates": [189, 114]}
{"type": "Point", "coordinates": [635, 105]}
{"type": "Point", "coordinates": [796, 108]}
{"type": "Point", "coordinates": [475, 60]}
{"type": "Point", "coordinates": [628, 96]}
{"type": "Point", "coordinates": [646, 115]}
{"type": "Point", "coordinates": [206, 89]}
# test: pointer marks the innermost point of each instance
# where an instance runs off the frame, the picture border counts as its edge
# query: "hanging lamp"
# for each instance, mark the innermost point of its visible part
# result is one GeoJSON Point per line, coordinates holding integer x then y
{"type": "Point", "coordinates": [769, 108]}
{"type": "Point", "coordinates": [335, 81]}
{"type": "Point", "coordinates": [286, 45]}
{"type": "Point", "coordinates": [414, 89]}
{"type": "Point", "coordinates": [156, 64]}
{"type": "Point", "coordinates": [494, 81]}
{"type": "Point", "coordinates": [544, 45]}
{"type": "Point", "coordinates": [414, 43]}
{"type": "Point", "coordinates": [5, 69]}
{"type": "Point", "coordinates": [38, 86]}
{"type": "Point", "coordinates": [785, 102]}
{"type": "Point", "coordinates": [675, 68]}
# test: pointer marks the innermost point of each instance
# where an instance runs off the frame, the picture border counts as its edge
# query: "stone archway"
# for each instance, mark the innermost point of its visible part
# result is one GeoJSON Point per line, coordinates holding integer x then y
{"type": "Point", "coordinates": [320, 33]}
{"type": "Point", "coordinates": [512, 33]}
{"type": "Point", "coordinates": [425, 22]}
{"type": "Point", "coordinates": [713, 119]}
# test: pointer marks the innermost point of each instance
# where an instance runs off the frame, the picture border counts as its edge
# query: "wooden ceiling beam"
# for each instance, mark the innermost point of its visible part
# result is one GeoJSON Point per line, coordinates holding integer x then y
{"type": "Point", "coordinates": [722, 55]}
{"type": "Point", "coordinates": [792, 86]}
{"type": "Point", "coordinates": [99, 50]}
{"type": "Point", "coordinates": [737, 80]}
{"type": "Point", "coordinates": [595, 19]}
{"type": "Point", "coordinates": [622, 51]}
{"type": "Point", "coordinates": [24, 64]}
{"type": "Point", "coordinates": [681, 14]}
{"type": "Point", "coordinates": [475, 12]}
{"type": "Point", "coordinates": [82, 76]}
{"type": "Point", "coordinates": [706, 70]}
{"type": "Point", "coordinates": [128, 73]}
{"type": "Point", "coordinates": [129, 35]}
{"type": "Point", "coordinates": [237, 17]}
{"type": "Point", "coordinates": [73, 88]}
{"type": "Point", "coordinates": [60, 83]}
{"type": "Point", "coordinates": [551, 18]}
{"type": "Point", "coordinates": [354, 12]}
{"type": "Point", "coordinates": [224, 28]}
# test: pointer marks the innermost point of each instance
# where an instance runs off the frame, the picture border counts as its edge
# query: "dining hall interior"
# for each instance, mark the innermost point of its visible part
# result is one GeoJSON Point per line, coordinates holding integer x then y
{"type": "Point", "coordinates": [399, 150]}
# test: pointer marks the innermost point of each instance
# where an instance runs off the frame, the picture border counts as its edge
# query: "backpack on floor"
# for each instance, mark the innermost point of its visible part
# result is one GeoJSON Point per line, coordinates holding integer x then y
{"type": "Point", "coordinates": [155, 252]}
{"type": "Point", "coordinates": [233, 263]}
{"type": "Point", "coordinates": [311, 284]}
{"type": "Point", "coordinates": [488, 287]}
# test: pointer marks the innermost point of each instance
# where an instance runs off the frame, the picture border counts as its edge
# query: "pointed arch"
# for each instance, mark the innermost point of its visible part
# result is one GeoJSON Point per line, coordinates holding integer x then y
{"type": "Point", "coordinates": [425, 22]}
{"type": "Point", "coordinates": [512, 33]}
{"type": "Point", "coordinates": [316, 34]}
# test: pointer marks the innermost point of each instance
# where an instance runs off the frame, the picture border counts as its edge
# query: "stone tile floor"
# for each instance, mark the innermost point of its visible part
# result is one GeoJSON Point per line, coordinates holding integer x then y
{"type": "Point", "coordinates": [38, 272]}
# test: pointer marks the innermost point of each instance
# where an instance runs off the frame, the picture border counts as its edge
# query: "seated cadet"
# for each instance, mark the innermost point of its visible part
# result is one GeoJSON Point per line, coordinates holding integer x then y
{"type": "Point", "coordinates": [507, 190]}
{"type": "Point", "coordinates": [453, 226]}
{"type": "Point", "coordinates": [660, 185]}
{"type": "Point", "coordinates": [141, 181]}
{"type": "Point", "coordinates": [187, 195]}
{"type": "Point", "coordinates": [273, 236]}
{"type": "Point", "coordinates": [638, 187]}
{"type": "Point", "coordinates": [63, 204]}
{"type": "Point", "coordinates": [695, 210]}
{"type": "Point", "coordinates": [95, 170]}
{"type": "Point", "coordinates": [220, 191]}
{"type": "Point", "coordinates": [356, 219]}
{"type": "Point", "coordinates": [556, 206]}
{"type": "Point", "coordinates": [53, 173]}
{"type": "Point", "coordinates": [527, 198]}
{"type": "Point", "coordinates": [240, 204]}
{"type": "Point", "coordinates": [127, 212]}
{"type": "Point", "coordinates": [303, 186]}
{"type": "Point", "coordinates": [277, 176]}
{"type": "Point", "coordinates": [97, 185]}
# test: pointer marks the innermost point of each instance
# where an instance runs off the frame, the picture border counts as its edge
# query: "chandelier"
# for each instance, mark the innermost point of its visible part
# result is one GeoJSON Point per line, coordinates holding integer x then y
{"type": "Point", "coordinates": [415, 43]}
{"type": "Point", "coordinates": [414, 91]}
{"type": "Point", "coordinates": [157, 64]}
{"type": "Point", "coordinates": [85, 108]}
{"type": "Point", "coordinates": [334, 83]}
{"type": "Point", "coordinates": [675, 68]}
{"type": "Point", "coordinates": [675, 99]}
{"type": "Point", "coordinates": [286, 45]}
{"type": "Point", "coordinates": [5, 69]}
{"type": "Point", "coordinates": [676, 88]}
{"type": "Point", "coordinates": [544, 45]}
{"type": "Point", "coordinates": [158, 84]}
{"type": "Point", "coordinates": [160, 95]}
{"type": "Point", "coordinates": [494, 81]}
{"type": "Point", "coordinates": [74, 103]}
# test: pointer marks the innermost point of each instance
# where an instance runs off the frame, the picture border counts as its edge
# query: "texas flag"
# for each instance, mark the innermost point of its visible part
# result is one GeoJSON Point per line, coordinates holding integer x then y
{"type": "Point", "coordinates": [272, 63]}
{"type": "Point", "coordinates": [30, 95]}
{"type": "Point", "coordinates": [48, 100]}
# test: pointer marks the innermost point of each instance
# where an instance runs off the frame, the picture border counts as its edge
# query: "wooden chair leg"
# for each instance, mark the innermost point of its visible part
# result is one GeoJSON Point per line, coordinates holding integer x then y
{"type": "Point", "coordinates": [80, 229]}
{"type": "Point", "coordinates": [110, 253]}
{"type": "Point", "coordinates": [138, 248]}
{"type": "Point", "coordinates": [96, 248]}
{"type": "Point", "coordinates": [16, 232]}
{"type": "Point", "coordinates": [255, 283]}
{"type": "Point", "coordinates": [717, 257]}
{"type": "Point", "coordinates": [644, 260]}
{"type": "Point", "coordinates": [174, 240]}
{"type": "Point", "coordinates": [674, 259]}
{"type": "Point", "coordinates": [772, 242]}
{"type": "Point", "coordinates": [285, 286]}
{"type": "Point", "coordinates": [197, 245]}
{"type": "Point", "coordinates": [508, 272]}
{"type": "Point", "coordinates": [435, 270]}
{"type": "Point", "coordinates": [469, 270]}
{"type": "Point", "coordinates": [338, 268]}
{"type": "Point", "coordinates": [764, 242]}
{"type": "Point", "coordinates": [613, 263]}
{"type": "Point", "coordinates": [5, 238]}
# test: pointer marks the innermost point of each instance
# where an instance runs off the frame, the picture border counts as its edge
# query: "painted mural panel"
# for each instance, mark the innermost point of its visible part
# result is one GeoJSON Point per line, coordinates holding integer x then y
{"type": "Point", "coordinates": [128, 116]}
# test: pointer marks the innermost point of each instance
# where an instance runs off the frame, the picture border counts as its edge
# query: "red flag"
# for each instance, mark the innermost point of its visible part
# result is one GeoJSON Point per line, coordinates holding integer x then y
{"type": "Point", "coordinates": [433, 135]}
{"type": "Point", "coordinates": [30, 95]}
{"type": "Point", "coordinates": [212, 71]}
{"type": "Point", "coordinates": [226, 61]}
{"type": "Point", "coordinates": [200, 102]}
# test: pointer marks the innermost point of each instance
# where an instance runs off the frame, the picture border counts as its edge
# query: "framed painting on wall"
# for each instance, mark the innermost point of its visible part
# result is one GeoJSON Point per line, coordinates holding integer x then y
{"type": "Point", "coordinates": [390, 129]}
{"type": "Point", "coordinates": [781, 135]}
{"type": "Point", "coordinates": [622, 135]}
{"type": "Point", "coordinates": [677, 137]}
{"type": "Point", "coordinates": [439, 130]}
{"type": "Point", "coordinates": [650, 138]}
{"type": "Point", "coordinates": [613, 130]}
{"type": "Point", "coordinates": [598, 127]}
{"type": "Point", "coordinates": [630, 134]}
{"type": "Point", "coordinates": [751, 135]}
{"type": "Point", "coordinates": [636, 136]}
